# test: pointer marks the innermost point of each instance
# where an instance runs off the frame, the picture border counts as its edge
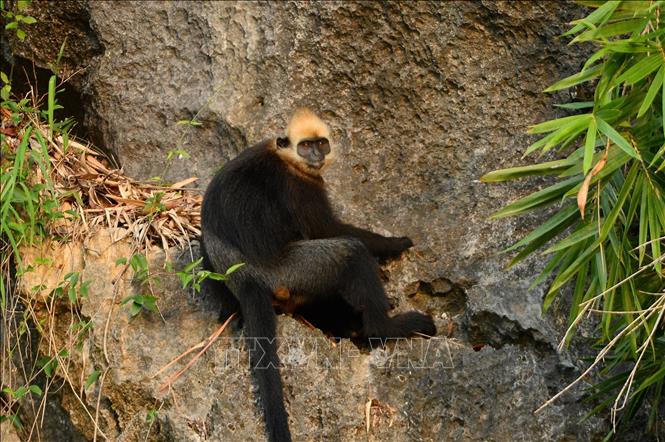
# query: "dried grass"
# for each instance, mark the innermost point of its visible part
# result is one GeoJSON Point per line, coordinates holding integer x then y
{"type": "Point", "coordinates": [94, 194]}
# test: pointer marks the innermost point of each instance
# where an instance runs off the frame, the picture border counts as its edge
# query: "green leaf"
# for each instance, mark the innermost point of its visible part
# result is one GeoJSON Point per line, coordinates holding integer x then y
{"type": "Point", "coordinates": [12, 25]}
{"type": "Point", "coordinates": [662, 111]}
{"type": "Point", "coordinates": [653, 90]}
{"type": "Point", "coordinates": [84, 289]}
{"type": "Point", "coordinates": [562, 259]}
{"type": "Point", "coordinates": [20, 33]}
{"type": "Point", "coordinates": [640, 70]}
{"type": "Point", "coordinates": [5, 91]}
{"type": "Point", "coordinates": [569, 271]}
{"type": "Point", "coordinates": [72, 278]}
{"type": "Point", "coordinates": [537, 199]}
{"type": "Point", "coordinates": [594, 58]}
{"type": "Point", "coordinates": [71, 294]}
{"type": "Point", "coordinates": [51, 103]}
{"type": "Point", "coordinates": [596, 16]}
{"type": "Point", "coordinates": [560, 123]}
{"type": "Point", "coordinates": [29, 20]}
{"type": "Point", "coordinates": [192, 265]}
{"type": "Point", "coordinates": [612, 134]}
{"type": "Point", "coordinates": [589, 146]}
{"type": "Point", "coordinates": [627, 187]}
{"type": "Point", "coordinates": [575, 79]}
{"type": "Point", "coordinates": [657, 376]}
{"type": "Point", "coordinates": [150, 416]}
{"type": "Point", "coordinates": [233, 268]}
{"type": "Point", "coordinates": [576, 105]}
{"type": "Point", "coordinates": [121, 261]}
{"type": "Point", "coordinates": [546, 168]}
{"type": "Point", "coordinates": [582, 233]}
{"type": "Point", "coordinates": [3, 77]}
{"type": "Point", "coordinates": [561, 217]}
{"type": "Point", "coordinates": [16, 421]}
{"type": "Point", "coordinates": [543, 239]}
{"type": "Point", "coordinates": [36, 390]}
{"type": "Point", "coordinates": [134, 309]}
{"type": "Point", "coordinates": [138, 262]}
{"type": "Point", "coordinates": [92, 378]}
{"type": "Point", "coordinates": [655, 208]}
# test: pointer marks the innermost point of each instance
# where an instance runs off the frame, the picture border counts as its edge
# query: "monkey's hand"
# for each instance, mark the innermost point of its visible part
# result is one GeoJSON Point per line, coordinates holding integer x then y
{"type": "Point", "coordinates": [393, 247]}
{"type": "Point", "coordinates": [403, 243]}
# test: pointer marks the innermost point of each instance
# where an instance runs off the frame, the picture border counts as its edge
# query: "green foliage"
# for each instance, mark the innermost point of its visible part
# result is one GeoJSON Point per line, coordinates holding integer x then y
{"type": "Point", "coordinates": [17, 21]}
{"type": "Point", "coordinates": [192, 122]}
{"type": "Point", "coordinates": [139, 265]}
{"type": "Point", "coordinates": [50, 364]}
{"type": "Point", "coordinates": [606, 235]}
{"type": "Point", "coordinates": [138, 302]}
{"type": "Point", "coordinates": [74, 288]}
{"type": "Point", "coordinates": [26, 207]}
{"type": "Point", "coordinates": [190, 275]}
{"type": "Point", "coordinates": [14, 419]}
{"type": "Point", "coordinates": [22, 391]}
{"type": "Point", "coordinates": [154, 204]}
{"type": "Point", "coordinates": [150, 416]}
{"type": "Point", "coordinates": [92, 379]}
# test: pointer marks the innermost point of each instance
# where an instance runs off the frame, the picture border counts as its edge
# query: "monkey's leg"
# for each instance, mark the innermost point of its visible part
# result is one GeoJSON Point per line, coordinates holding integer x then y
{"type": "Point", "coordinates": [316, 268]}
{"type": "Point", "coordinates": [218, 289]}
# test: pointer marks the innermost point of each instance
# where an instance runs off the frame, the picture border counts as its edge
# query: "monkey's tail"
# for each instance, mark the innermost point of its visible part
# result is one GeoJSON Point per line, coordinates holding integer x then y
{"type": "Point", "coordinates": [260, 324]}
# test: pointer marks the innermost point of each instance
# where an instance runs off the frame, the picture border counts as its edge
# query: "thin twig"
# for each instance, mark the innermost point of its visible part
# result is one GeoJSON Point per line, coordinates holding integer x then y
{"type": "Point", "coordinates": [169, 382]}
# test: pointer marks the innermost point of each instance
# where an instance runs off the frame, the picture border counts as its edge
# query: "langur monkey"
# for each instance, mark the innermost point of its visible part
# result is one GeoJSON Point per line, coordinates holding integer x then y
{"type": "Point", "coordinates": [268, 208]}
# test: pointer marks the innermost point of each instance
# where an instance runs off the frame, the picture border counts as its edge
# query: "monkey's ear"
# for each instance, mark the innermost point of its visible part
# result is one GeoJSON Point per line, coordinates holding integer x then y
{"type": "Point", "coordinates": [283, 142]}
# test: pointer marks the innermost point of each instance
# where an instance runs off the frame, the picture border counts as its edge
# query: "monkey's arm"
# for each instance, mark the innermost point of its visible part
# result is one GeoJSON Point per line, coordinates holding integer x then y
{"type": "Point", "coordinates": [378, 245]}
{"type": "Point", "coordinates": [316, 220]}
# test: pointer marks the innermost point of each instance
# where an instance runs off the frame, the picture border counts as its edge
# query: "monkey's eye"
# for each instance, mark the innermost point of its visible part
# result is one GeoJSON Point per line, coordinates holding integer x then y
{"type": "Point", "coordinates": [282, 142]}
{"type": "Point", "coordinates": [306, 144]}
{"type": "Point", "coordinates": [324, 146]}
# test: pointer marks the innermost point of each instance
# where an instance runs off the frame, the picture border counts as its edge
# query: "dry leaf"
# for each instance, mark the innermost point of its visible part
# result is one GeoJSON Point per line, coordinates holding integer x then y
{"type": "Point", "coordinates": [584, 189]}
{"type": "Point", "coordinates": [183, 183]}
{"type": "Point", "coordinates": [104, 191]}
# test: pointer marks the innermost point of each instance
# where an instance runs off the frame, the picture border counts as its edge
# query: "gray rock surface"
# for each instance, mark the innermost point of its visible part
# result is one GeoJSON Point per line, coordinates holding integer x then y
{"type": "Point", "coordinates": [423, 98]}
{"type": "Point", "coordinates": [430, 390]}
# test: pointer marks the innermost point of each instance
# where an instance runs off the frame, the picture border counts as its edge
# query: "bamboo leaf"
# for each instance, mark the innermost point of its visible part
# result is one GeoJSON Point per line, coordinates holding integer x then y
{"type": "Point", "coordinates": [616, 137]}
{"type": "Point", "coordinates": [560, 123]}
{"type": "Point", "coordinates": [570, 270]}
{"type": "Point", "coordinates": [547, 168]}
{"type": "Point", "coordinates": [582, 194]}
{"type": "Point", "coordinates": [536, 199]}
{"type": "Point", "coordinates": [576, 105]}
{"type": "Point", "coordinates": [655, 207]}
{"type": "Point", "coordinates": [657, 376]}
{"type": "Point", "coordinates": [575, 79]}
{"type": "Point", "coordinates": [653, 90]}
{"type": "Point", "coordinates": [584, 232]}
{"type": "Point", "coordinates": [51, 104]}
{"type": "Point", "coordinates": [640, 70]}
{"type": "Point", "coordinates": [589, 145]}
{"type": "Point", "coordinates": [561, 217]}
{"type": "Point", "coordinates": [643, 225]}
{"type": "Point", "coordinates": [595, 17]}
{"type": "Point", "coordinates": [626, 189]}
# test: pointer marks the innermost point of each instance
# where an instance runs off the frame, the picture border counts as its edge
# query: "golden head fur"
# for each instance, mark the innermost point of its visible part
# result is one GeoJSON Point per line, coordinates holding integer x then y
{"type": "Point", "coordinates": [304, 125]}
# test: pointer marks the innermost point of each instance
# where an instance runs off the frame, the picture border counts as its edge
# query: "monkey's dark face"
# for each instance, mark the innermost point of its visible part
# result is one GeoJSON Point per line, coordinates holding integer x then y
{"type": "Point", "coordinates": [313, 151]}
{"type": "Point", "coordinates": [310, 155]}
{"type": "Point", "coordinates": [307, 147]}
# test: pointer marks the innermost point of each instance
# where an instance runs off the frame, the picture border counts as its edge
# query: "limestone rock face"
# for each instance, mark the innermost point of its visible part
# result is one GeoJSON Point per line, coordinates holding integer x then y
{"type": "Point", "coordinates": [423, 98]}
{"type": "Point", "coordinates": [437, 389]}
